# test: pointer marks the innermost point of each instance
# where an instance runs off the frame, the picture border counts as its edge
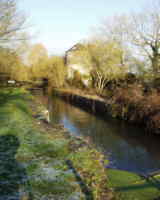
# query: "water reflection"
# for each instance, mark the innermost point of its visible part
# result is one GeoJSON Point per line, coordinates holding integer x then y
{"type": "Point", "coordinates": [125, 145]}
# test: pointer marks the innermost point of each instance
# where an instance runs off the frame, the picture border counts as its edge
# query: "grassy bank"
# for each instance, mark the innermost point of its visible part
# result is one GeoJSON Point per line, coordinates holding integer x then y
{"type": "Point", "coordinates": [130, 186]}
{"type": "Point", "coordinates": [41, 162]}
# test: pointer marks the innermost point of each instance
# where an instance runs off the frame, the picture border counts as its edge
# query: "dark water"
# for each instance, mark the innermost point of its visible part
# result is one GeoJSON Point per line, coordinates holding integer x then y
{"type": "Point", "coordinates": [124, 145]}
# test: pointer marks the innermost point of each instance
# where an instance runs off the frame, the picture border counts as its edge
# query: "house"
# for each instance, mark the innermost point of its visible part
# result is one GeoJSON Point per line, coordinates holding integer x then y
{"type": "Point", "coordinates": [74, 62]}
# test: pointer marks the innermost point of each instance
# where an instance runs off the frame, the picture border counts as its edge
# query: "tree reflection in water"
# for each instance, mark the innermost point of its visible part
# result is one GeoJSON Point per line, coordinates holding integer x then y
{"type": "Point", "coordinates": [126, 146]}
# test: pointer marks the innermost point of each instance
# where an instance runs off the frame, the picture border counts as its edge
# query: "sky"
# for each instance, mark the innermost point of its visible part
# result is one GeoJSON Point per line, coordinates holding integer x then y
{"type": "Point", "coordinates": [59, 24]}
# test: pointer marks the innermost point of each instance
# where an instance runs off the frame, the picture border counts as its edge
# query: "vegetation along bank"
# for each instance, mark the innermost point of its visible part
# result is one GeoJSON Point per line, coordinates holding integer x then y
{"type": "Point", "coordinates": [43, 161]}
{"type": "Point", "coordinates": [39, 161]}
{"type": "Point", "coordinates": [116, 71]}
{"type": "Point", "coordinates": [130, 104]}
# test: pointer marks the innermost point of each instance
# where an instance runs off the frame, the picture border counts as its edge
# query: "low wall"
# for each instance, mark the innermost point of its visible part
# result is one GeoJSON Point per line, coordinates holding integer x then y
{"type": "Point", "coordinates": [96, 106]}
{"type": "Point", "coordinates": [103, 108]}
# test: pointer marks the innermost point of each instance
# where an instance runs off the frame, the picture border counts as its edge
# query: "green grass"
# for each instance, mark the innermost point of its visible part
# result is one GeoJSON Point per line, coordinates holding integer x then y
{"type": "Point", "coordinates": [130, 186]}
{"type": "Point", "coordinates": [33, 163]}
{"type": "Point", "coordinates": [41, 165]}
{"type": "Point", "coordinates": [29, 157]}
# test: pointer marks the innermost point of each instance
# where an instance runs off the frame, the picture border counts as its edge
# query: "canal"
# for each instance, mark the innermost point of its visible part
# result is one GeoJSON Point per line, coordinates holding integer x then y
{"type": "Point", "coordinates": [126, 147]}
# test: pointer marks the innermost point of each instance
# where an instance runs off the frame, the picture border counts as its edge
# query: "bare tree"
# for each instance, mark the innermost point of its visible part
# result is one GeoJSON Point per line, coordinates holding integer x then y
{"type": "Point", "coordinates": [114, 29]}
{"type": "Point", "coordinates": [11, 22]}
{"type": "Point", "coordinates": [144, 32]}
{"type": "Point", "coordinates": [138, 32]}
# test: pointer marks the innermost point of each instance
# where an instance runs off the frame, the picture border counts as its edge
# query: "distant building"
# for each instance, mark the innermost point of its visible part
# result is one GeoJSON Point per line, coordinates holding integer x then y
{"type": "Point", "coordinates": [74, 63]}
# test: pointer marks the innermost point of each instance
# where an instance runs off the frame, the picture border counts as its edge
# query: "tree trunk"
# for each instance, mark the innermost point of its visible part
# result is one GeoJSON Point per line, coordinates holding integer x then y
{"type": "Point", "coordinates": [156, 64]}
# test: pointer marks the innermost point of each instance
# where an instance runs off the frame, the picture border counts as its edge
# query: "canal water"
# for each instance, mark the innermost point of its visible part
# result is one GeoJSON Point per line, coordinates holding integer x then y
{"type": "Point", "coordinates": [126, 146]}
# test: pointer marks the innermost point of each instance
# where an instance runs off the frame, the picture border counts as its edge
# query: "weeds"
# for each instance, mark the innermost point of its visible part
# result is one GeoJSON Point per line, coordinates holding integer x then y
{"type": "Point", "coordinates": [134, 105]}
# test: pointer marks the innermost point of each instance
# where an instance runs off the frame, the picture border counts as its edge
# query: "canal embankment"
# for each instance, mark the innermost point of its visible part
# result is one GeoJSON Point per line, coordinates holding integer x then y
{"type": "Point", "coordinates": [92, 103]}
{"type": "Point", "coordinates": [43, 161]}
{"type": "Point", "coordinates": [129, 154]}
{"type": "Point", "coordinates": [128, 105]}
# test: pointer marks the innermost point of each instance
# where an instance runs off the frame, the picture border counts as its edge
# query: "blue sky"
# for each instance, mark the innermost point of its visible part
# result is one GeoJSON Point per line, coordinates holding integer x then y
{"type": "Point", "coordinates": [59, 24]}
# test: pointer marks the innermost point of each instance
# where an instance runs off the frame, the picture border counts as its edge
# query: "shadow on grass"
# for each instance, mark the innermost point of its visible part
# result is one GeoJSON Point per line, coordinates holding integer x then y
{"type": "Point", "coordinates": [13, 177]}
{"type": "Point", "coordinates": [149, 182]}
{"type": "Point", "coordinates": [86, 191]}
{"type": "Point", "coordinates": [8, 95]}
{"type": "Point", "coordinates": [17, 98]}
